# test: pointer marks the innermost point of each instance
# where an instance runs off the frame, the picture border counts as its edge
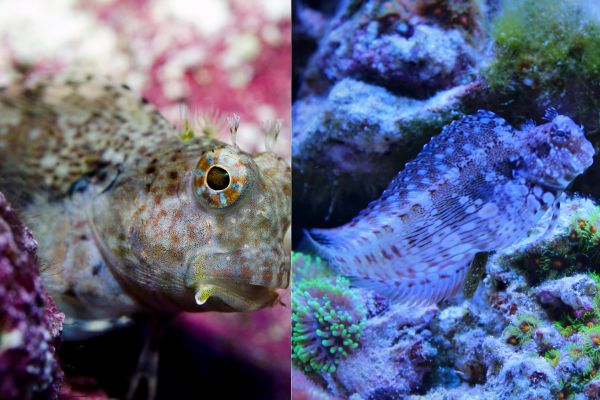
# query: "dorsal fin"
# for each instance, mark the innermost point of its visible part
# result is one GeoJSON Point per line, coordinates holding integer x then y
{"type": "Point", "coordinates": [415, 291]}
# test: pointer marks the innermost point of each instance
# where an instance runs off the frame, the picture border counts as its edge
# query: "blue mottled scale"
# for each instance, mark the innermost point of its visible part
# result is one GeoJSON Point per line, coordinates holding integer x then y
{"type": "Point", "coordinates": [478, 186]}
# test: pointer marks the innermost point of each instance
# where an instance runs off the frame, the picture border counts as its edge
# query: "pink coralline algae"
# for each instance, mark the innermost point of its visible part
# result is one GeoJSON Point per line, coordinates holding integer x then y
{"type": "Point", "coordinates": [226, 56]}
{"type": "Point", "coordinates": [30, 323]}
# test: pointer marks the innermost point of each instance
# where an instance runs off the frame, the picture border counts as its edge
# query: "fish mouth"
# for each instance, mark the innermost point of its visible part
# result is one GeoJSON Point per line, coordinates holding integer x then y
{"type": "Point", "coordinates": [556, 184]}
{"type": "Point", "coordinates": [238, 280]}
{"type": "Point", "coordinates": [218, 295]}
{"type": "Point", "coordinates": [589, 152]}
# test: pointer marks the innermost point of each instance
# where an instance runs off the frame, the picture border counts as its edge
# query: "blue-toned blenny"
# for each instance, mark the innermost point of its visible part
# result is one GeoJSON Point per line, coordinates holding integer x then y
{"type": "Point", "coordinates": [479, 186]}
{"type": "Point", "coordinates": [131, 217]}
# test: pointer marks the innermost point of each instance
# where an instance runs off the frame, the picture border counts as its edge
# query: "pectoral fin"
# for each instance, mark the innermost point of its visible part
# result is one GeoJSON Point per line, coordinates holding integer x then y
{"type": "Point", "coordinates": [475, 273]}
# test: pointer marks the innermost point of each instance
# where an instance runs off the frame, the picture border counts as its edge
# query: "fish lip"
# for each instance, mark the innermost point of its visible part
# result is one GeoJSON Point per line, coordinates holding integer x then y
{"type": "Point", "coordinates": [208, 266]}
{"type": "Point", "coordinates": [210, 292]}
{"type": "Point", "coordinates": [549, 186]}
{"type": "Point", "coordinates": [591, 153]}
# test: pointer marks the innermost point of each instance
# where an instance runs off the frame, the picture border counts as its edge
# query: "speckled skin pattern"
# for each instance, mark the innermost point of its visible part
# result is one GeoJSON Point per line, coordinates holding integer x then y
{"type": "Point", "coordinates": [125, 222]}
{"type": "Point", "coordinates": [478, 186]}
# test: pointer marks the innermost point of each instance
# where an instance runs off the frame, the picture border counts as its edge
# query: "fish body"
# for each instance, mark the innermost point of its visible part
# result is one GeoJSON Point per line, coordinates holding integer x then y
{"type": "Point", "coordinates": [131, 217]}
{"type": "Point", "coordinates": [479, 186]}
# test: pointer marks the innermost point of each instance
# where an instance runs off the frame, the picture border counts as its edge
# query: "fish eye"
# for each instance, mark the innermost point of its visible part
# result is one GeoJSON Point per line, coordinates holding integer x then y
{"type": "Point", "coordinates": [559, 137]}
{"type": "Point", "coordinates": [560, 133]}
{"type": "Point", "coordinates": [222, 177]}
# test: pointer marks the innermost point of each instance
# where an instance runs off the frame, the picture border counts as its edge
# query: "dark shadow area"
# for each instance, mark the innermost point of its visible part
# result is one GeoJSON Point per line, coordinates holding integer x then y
{"type": "Point", "coordinates": [190, 366]}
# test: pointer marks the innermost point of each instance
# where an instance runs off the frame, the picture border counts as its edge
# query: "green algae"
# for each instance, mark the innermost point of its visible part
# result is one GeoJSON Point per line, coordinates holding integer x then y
{"type": "Point", "coordinates": [547, 53]}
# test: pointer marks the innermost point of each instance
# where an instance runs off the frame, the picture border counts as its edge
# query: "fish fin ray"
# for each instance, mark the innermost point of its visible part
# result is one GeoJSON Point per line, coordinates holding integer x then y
{"type": "Point", "coordinates": [414, 291]}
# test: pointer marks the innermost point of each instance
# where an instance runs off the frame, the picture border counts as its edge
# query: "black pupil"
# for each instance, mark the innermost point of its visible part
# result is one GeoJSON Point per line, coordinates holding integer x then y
{"type": "Point", "coordinates": [560, 133]}
{"type": "Point", "coordinates": [217, 178]}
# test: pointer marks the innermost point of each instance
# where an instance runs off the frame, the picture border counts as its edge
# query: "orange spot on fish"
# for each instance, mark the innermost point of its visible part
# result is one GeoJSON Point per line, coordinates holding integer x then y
{"type": "Point", "coordinates": [246, 272]}
{"type": "Point", "coordinates": [267, 276]}
{"type": "Point", "coordinates": [172, 190]}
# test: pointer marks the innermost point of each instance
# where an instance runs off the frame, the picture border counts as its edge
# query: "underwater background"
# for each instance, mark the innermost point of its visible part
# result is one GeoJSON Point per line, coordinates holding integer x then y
{"type": "Point", "coordinates": [188, 59]}
{"type": "Point", "coordinates": [373, 82]}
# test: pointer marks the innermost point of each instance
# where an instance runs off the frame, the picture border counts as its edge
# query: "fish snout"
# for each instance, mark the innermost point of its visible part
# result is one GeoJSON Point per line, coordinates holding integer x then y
{"type": "Point", "coordinates": [241, 280]}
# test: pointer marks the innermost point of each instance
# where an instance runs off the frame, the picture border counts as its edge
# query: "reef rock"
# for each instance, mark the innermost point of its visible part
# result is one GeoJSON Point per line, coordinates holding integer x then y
{"type": "Point", "coordinates": [305, 389]}
{"type": "Point", "coordinates": [403, 46]}
{"type": "Point", "coordinates": [31, 324]}
{"type": "Point", "coordinates": [576, 292]}
{"type": "Point", "coordinates": [398, 344]}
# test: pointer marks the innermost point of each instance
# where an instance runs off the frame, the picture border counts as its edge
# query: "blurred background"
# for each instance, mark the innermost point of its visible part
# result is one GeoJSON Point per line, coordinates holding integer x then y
{"type": "Point", "coordinates": [185, 57]}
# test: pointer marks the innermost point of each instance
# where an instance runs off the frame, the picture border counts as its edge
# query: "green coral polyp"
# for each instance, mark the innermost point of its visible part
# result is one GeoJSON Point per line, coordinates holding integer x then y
{"type": "Point", "coordinates": [521, 331]}
{"type": "Point", "coordinates": [575, 351]}
{"type": "Point", "coordinates": [552, 356]}
{"type": "Point", "coordinates": [575, 251]}
{"type": "Point", "coordinates": [306, 266]}
{"type": "Point", "coordinates": [327, 320]}
{"type": "Point", "coordinates": [585, 333]}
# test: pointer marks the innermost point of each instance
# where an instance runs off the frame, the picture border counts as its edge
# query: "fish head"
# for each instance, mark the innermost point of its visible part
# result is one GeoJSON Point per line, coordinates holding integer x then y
{"type": "Point", "coordinates": [557, 152]}
{"type": "Point", "coordinates": [247, 201]}
{"type": "Point", "coordinates": [200, 227]}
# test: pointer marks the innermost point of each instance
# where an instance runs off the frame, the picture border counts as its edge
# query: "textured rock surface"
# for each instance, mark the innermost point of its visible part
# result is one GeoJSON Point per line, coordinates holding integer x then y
{"type": "Point", "coordinates": [31, 324]}
{"type": "Point", "coordinates": [305, 389]}
{"type": "Point", "coordinates": [576, 292]}
{"type": "Point", "coordinates": [398, 343]}
{"type": "Point", "coordinates": [400, 46]}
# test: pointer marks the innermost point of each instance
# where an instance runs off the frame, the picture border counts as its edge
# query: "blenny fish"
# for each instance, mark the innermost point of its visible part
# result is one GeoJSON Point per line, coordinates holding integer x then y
{"type": "Point", "coordinates": [132, 217]}
{"type": "Point", "coordinates": [479, 186]}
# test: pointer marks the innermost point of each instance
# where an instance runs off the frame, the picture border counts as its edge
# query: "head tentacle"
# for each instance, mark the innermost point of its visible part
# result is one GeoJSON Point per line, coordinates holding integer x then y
{"type": "Point", "coordinates": [271, 130]}
{"type": "Point", "coordinates": [233, 123]}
